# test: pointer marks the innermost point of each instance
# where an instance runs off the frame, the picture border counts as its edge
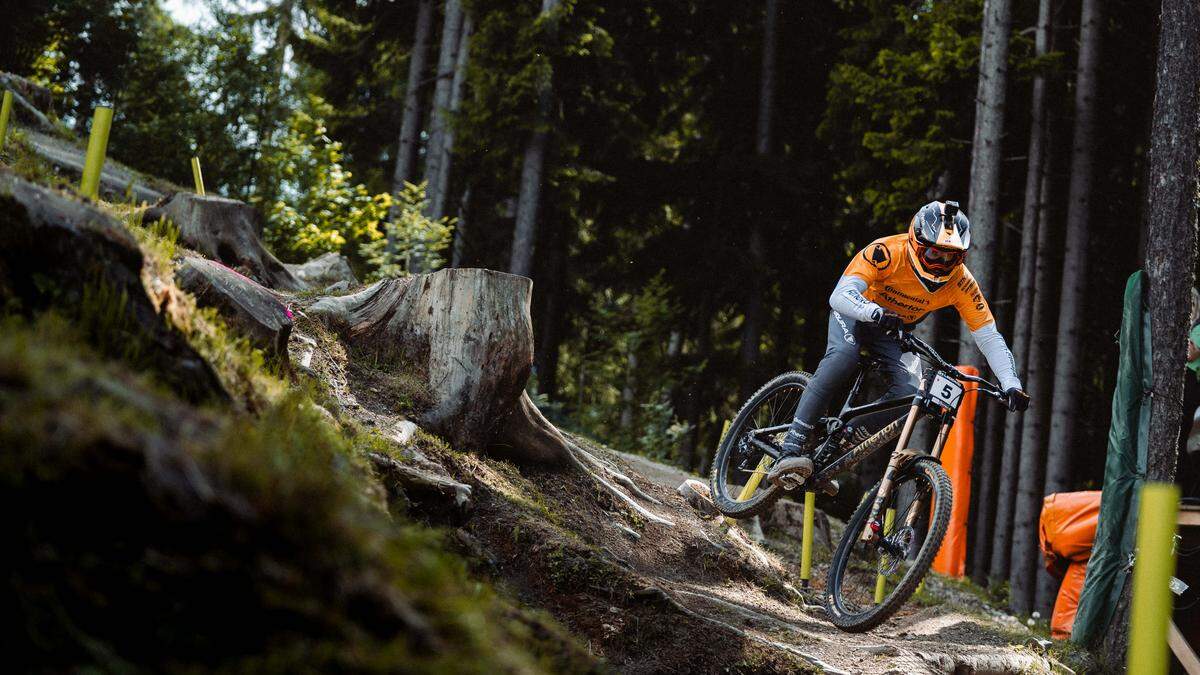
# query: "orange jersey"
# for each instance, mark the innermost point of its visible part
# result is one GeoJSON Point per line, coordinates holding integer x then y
{"type": "Point", "coordinates": [892, 283]}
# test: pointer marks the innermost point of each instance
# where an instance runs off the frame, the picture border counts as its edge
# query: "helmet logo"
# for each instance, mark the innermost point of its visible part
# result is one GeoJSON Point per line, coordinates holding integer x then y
{"type": "Point", "coordinates": [878, 255]}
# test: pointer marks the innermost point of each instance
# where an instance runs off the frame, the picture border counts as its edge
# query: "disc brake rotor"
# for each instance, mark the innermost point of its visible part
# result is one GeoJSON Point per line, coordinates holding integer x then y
{"type": "Point", "coordinates": [893, 549]}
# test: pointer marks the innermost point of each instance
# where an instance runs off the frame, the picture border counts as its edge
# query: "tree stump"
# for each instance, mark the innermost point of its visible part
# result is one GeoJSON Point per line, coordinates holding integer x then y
{"type": "Point", "coordinates": [468, 333]}
{"type": "Point", "coordinates": [228, 231]}
{"type": "Point", "coordinates": [251, 309]}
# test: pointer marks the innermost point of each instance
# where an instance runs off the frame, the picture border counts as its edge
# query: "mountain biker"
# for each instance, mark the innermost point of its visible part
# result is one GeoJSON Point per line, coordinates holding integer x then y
{"type": "Point", "coordinates": [892, 284]}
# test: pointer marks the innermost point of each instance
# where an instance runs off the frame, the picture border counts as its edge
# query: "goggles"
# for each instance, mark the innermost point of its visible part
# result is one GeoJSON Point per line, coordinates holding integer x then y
{"type": "Point", "coordinates": [939, 260]}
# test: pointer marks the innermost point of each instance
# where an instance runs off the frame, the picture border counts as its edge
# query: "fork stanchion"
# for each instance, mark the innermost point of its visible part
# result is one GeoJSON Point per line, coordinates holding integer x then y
{"type": "Point", "coordinates": [93, 163]}
{"type": "Point", "coordinates": [889, 519]}
{"type": "Point", "coordinates": [806, 538]}
{"type": "Point", "coordinates": [1152, 569]}
{"type": "Point", "coordinates": [5, 113]}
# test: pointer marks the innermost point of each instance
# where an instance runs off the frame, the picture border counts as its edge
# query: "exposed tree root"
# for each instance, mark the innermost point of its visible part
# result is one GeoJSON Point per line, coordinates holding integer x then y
{"type": "Point", "coordinates": [755, 615]}
{"type": "Point", "coordinates": [611, 470]}
{"type": "Point", "coordinates": [527, 429]}
{"type": "Point", "coordinates": [422, 483]}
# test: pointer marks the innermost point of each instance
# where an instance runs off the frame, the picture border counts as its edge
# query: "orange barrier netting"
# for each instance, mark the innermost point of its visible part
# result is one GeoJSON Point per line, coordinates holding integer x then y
{"type": "Point", "coordinates": [1066, 531]}
{"type": "Point", "coordinates": [951, 560]}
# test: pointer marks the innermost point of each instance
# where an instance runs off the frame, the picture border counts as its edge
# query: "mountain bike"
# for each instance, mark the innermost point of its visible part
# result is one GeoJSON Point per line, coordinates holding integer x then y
{"type": "Point", "coordinates": [897, 529]}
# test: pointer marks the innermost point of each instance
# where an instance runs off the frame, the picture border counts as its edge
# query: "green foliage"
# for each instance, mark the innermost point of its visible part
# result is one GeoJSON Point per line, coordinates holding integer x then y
{"type": "Point", "coordinates": [323, 210]}
{"type": "Point", "coordinates": [413, 240]}
{"type": "Point", "coordinates": [628, 356]}
{"type": "Point", "coordinates": [901, 104]}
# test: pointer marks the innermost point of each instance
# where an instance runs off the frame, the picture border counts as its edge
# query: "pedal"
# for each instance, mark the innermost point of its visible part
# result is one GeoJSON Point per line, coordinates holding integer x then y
{"type": "Point", "coordinates": [830, 488]}
{"type": "Point", "coordinates": [791, 481]}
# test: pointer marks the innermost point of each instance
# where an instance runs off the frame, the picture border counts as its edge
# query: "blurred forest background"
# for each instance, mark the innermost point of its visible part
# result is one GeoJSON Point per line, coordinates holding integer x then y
{"type": "Point", "coordinates": [683, 180]}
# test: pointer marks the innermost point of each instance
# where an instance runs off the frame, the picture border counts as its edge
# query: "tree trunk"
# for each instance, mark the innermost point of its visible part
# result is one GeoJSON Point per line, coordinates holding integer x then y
{"type": "Point", "coordinates": [1074, 268]}
{"type": "Point", "coordinates": [754, 314]}
{"type": "Point", "coordinates": [983, 202]}
{"type": "Point", "coordinates": [459, 251]}
{"type": "Point", "coordinates": [437, 202]}
{"type": "Point", "coordinates": [410, 125]}
{"type": "Point", "coordinates": [550, 331]}
{"type": "Point", "coordinates": [265, 131]}
{"type": "Point", "coordinates": [989, 424]}
{"type": "Point", "coordinates": [1039, 373]}
{"type": "Point", "coordinates": [1170, 249]}
{"type": "Point", "coordinates": [628, 391]}
{"type": "Point", "coordinates": [1026, 276]}
{"type": "Point", "coordinates": [529, 198]}
{"type": "Point", "coordinates": [452, 20]}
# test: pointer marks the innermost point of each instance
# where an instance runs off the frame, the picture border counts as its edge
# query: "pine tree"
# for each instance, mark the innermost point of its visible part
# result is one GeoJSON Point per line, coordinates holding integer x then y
{"type": "Point", "coordinates": [532, 168]}
{"type": "Point", "coordinates": [1026, 278]}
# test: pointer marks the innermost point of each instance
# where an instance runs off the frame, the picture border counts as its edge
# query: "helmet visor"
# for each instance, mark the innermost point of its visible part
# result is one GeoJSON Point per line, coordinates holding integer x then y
{"type": "Point", "coordinates": [940, 260]}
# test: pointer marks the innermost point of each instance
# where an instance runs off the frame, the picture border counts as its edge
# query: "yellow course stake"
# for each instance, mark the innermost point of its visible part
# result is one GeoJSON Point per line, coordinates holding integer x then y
{"type": "Point", "coordinates": [1154, 563]}
{"type": "Point", "coordinates": [810, 506]}
{"type": "Point", "coordinates": [198, 176]}
{"type": "Point", "coordinates": [881, 581]}
{"type": "Point", "coordinates": [93, 164]}
{"type": "Point", "coordinates": [5, 113]}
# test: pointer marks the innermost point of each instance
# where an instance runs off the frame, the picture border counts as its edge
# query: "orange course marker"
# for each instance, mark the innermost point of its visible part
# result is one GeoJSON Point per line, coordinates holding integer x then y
{"type": "Point", "coordinates": [951, 560]}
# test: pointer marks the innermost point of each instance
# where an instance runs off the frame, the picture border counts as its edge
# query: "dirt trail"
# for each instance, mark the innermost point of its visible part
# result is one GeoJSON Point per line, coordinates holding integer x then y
{"type": "Point", "coordinates": [697, 596]}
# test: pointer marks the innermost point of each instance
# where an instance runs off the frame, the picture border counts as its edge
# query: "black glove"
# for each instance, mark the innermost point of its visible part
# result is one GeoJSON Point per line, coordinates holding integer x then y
{"type": "Point", "coordinates": [1016, 400]}
{"type": "Point", "coordinates": [888, 320]}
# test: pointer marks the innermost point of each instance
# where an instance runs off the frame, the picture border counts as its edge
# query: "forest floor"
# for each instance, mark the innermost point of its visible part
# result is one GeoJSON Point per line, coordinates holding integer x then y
{"type": "Point", "coordinates": [698, 596]}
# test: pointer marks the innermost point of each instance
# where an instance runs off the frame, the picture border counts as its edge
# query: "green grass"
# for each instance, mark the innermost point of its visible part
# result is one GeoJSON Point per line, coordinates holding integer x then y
{"type": "Point", "coordinates": [231, 541]}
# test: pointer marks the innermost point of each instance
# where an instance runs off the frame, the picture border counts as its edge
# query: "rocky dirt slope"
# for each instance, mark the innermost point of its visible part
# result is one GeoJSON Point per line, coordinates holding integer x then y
{"type": "Point", "coordinates": [645, 597]}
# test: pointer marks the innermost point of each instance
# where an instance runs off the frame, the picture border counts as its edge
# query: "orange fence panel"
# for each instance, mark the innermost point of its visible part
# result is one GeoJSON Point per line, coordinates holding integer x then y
{"type": "Point", "coordinates": [951, 560]}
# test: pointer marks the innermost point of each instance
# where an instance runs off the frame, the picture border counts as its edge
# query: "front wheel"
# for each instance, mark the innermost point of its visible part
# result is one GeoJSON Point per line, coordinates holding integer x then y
{"type": "Point", "coordinates": [739, 468]}
{"type": "Point", "coordinates": [869, 582]}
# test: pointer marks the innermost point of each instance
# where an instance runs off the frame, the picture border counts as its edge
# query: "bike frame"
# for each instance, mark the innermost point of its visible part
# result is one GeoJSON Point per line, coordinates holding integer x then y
{"type": "Point", "coordinates": [918, 404]}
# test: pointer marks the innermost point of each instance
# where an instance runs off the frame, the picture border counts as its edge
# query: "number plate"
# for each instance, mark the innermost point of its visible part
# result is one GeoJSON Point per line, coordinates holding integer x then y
{"type": "Point", "coordinates": [945, 391]}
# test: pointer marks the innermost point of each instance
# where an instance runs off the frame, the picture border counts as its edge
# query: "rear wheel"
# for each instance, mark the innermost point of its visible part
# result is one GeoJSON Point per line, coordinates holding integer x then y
{"type": "Point", "coordinates": [868, 582]}
{"type": "Point", "coordinates": [740, 467]}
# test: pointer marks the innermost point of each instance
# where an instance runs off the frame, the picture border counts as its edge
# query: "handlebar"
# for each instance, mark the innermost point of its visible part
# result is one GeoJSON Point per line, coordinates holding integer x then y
{"type": "Point", "coordinates": [912, 343]}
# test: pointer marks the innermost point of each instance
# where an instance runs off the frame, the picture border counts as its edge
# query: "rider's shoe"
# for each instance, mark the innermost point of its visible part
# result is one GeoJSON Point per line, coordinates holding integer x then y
{"type": "Point", "coordinates": [794, 464]}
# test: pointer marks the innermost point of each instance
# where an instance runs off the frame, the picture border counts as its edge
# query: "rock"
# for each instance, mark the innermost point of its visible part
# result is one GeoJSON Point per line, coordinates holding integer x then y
{"type": "Point", "coordinates": [227, 231]}
{"type": "Point", "coordinates": [325, 271]}
{"type": "Point", "coordinates": [697, 494]}
{"type": "Point", "coordinates": [62, 254]}
{"type": "Point", "coordinates": [252, 310]}
{"type": "Point", "coordinates": [339, 287]}
{"type": "Point", "coordinates": [403, 432]}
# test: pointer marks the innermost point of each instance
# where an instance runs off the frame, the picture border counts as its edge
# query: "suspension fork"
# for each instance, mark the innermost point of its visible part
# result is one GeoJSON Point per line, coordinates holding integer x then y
{"type": "Point", "coordinates": [911, 519]}
{"type": "Point", "coordinates": [873, 530]}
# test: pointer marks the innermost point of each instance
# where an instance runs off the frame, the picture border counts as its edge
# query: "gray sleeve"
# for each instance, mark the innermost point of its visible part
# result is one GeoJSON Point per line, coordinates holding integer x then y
{"type": "Point", "coordinates": [848, 299]}
{"type": "Point", "coordinates": [999, 358]}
